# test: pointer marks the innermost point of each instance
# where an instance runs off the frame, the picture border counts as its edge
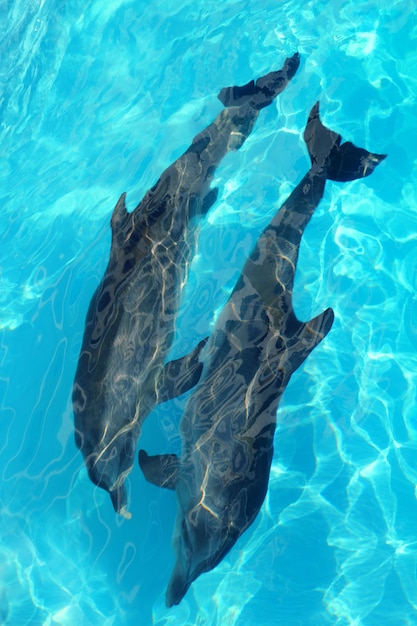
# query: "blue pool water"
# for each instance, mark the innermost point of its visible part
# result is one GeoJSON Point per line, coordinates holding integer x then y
{"type": "Point", "coordinates": [98, 98]}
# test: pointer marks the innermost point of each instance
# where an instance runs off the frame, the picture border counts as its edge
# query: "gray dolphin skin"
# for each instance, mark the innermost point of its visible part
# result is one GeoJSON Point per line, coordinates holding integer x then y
{"type": "Point", "coordinates": [130, 325]}
{"type": "Point", "coordinates": [228, 425]}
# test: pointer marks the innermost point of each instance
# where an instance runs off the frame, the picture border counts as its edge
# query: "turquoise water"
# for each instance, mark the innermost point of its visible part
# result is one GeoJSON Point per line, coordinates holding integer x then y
{"type": "Point", "coordinates": [98, 98]}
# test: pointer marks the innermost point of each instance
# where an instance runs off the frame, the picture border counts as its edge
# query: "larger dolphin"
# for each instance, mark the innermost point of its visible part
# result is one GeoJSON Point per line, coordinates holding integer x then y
{"type": "Point", "coordinates": [228, 425]}
{"type": "Point", "coordinates": [130, 323]}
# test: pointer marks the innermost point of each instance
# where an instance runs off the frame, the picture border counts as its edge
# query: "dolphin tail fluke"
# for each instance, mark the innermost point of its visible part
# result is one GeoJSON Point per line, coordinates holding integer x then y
{"type": "Point", "coordinates": [160, 470]}
{"type": "Point", "coordinates": [340, 162]}
{"type": "Point", "coordinates": [262, 92]}
{"type": "Point", "coordinates": [309, 335]}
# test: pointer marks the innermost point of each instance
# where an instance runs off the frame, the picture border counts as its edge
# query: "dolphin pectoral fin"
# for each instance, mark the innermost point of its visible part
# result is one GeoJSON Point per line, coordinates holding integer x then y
{"type": "Point", "coordinates": [160, 470]}
{"type": "Point", "coordinates": [309, 335]}
{"type": "Point", "coordinates": [180, 375]}
{"type": "Point", "coordinates": [209, 199]}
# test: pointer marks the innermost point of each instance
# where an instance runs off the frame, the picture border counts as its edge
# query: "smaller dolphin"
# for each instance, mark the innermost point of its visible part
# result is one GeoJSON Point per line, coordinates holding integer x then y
{"type": "Point", "coordinates": [228, 425]}
{"type": "Point", "coordinates": [122, 372]}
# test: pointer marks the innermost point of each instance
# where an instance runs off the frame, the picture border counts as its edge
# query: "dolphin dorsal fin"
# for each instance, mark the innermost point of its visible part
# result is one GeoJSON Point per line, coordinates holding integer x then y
{"type": "Point", "coordinates": [119, 214]}
{"type": "Point", "coordinates": [308, 335]}
{"type": "Point", "coordinates": [160, 470]}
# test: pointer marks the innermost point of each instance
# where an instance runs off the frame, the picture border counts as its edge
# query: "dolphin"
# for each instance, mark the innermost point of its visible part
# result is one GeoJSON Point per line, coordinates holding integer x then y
{"type": "Point", "coordinates": [130, 326]}
{"type": "Point", "coordinates": [227, 428]}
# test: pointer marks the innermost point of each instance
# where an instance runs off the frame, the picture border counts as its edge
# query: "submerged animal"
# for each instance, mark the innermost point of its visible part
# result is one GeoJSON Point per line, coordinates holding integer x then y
{"type": "Point", "coordinates": [228, 425]}
{"type": "Point", "coordinates": [130, 325]}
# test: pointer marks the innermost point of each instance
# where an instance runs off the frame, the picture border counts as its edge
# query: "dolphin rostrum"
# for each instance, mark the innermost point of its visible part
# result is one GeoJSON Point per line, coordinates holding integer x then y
{"type": "Point", "coordinates": [130, 325]}
{"type": "Point", "coordinates": [228, 425]}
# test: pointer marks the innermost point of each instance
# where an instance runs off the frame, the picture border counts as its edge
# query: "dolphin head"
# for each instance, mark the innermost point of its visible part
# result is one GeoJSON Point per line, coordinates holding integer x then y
{"type": "Point", "coordinates": [203, 538]}
{"type": "Point", "coordinates": [211, 516]}
{"type": "Point", "coordinates": [107, 441]}
{"type": "Point", "coordinates": [220, 485]}
{"type": "Point", "coordinates": [109, 468]}
{"type": "Point", "coordinates": [220, 491]}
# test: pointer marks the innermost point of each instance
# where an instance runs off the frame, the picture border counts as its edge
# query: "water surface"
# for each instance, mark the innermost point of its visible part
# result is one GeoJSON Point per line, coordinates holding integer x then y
{"type": "Point", "coordinates": [98, 99]}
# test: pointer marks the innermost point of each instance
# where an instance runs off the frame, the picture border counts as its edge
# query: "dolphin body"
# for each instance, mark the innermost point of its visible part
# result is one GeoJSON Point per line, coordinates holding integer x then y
{"type": "Point", "coordinates": [228, 425]}
{"type": "Point", "coordinates": [130, 324]}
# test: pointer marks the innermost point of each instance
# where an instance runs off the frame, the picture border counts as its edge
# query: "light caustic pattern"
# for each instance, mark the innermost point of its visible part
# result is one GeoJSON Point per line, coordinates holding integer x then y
{"type": "Point", "coordinates": [96, 101]}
